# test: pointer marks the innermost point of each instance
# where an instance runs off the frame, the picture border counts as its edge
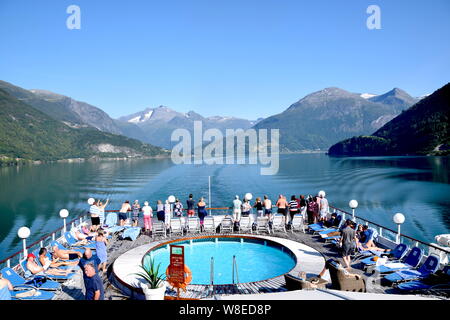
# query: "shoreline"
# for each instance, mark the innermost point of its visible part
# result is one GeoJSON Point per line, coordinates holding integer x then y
{"type": "Point", "coordinates": [16, 162]}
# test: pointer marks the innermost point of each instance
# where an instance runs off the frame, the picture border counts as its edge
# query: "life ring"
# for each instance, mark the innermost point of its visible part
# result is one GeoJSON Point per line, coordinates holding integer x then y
{"type": "Point", "coordinates": [187, 278]}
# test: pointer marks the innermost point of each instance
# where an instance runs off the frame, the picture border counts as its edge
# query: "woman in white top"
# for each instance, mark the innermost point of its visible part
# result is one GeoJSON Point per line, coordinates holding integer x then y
{"type": "Point", "coordinates": [167, 214]}
{"type": "Point", "coordinates": [148, 214]}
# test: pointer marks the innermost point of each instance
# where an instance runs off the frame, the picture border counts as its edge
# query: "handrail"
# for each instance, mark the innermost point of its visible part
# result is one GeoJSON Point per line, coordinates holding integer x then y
{"type": "Point", "coordinates": [211, 272]}
{"type": "Point", "coordinates": [224, 208]}
{"type": "Point", "coordinates": [401, 234]}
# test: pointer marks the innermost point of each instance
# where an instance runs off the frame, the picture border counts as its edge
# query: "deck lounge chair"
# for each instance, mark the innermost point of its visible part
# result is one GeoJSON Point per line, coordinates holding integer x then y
{"type": "Point", "coordinates": [72, 242]}
{"type": "Point", "coordinates": [278, 223]}
{"type": "Point", "coordinates": [262, 225]}
{"type": "Point", "coordinates": [430, 266]}
{"type": "Point", "coordinates": [193, 225]}
{"type": "Point", "coordinates": [412, 260]}
{"type": "Point", "coordinates": [111, 220]}
{"type": "Point", "coordinates": [60, 246]}
{"type": "Point", "coordinates": [439, 279]}
{"type": "Point", "coordinates": [132, 233]}
{"type": "Point", "coordinates": [340, 280]}
{"type": "Point", "coordinates": [226, 225]}
{"type": "Point", "coordinates": [398, 253]}
{"type": "Point", "coordinates": [209, 225]}
{"type": "Point", "coordinates": [175, 226]}
{"type": "Point", "coordinates": [297, 223]}
{"type": "Point", "coordinates": [20, 282]}
{"type": "Point", "coordinates": [39, 294]}
{"type": "Point", "coordinates": [27, 273]}
{"type": "Point", "coordinates": [159, 229]}
{"type": "Point", "coordinates": [245, 225]}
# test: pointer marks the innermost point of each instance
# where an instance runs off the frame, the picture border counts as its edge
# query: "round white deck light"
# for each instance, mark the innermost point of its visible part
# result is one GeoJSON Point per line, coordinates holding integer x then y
{"type": "Point", "coordinates": [248, 196]}
{"type": "Point", "coordinates": [398, 218]}
{"type": "Point", "coordinates": [171, 199]}
{"type": "Point", "coordinates": [24, 233]}
{"type": "Point", "coordinates": [91, 201]}
{"type": "Point", "coordinates": [64, 213]}
{"type": "Point", "coordinates": [353, 204]}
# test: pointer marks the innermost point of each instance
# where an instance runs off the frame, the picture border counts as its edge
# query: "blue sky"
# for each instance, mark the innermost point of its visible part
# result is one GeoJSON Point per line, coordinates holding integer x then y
{"type": "Point", "coordinates": [246, 58]}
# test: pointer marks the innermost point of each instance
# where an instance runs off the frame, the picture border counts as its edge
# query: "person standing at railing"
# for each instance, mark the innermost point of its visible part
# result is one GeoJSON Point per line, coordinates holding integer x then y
{"type": "Point", "coordinates": [123, 212]}
{"type": "Point", "coordinates": [94, 211]}
{"type": "Point", "coordinates": [167, 214]}
{"type": "Point", "coordinates": [136, 208]}
{"type": "Point", "coordinates": [267, 207]}
{"type": "Point", "coordinates": [160, 210]}
{"type": "Point", "coordinates": [148, 214]}
{"type": "Point", "coordinates": [190, 206]}
{"type": "Point", "coordinates": [302, 206]}
{"type": "Point", "coordinates": [323, 206]}
{"type": "Point", "coordinates": [259, 207]}
{"type": "Point", "coordinates": [178, 208]}
{"type": "Point", "coordinates": [312, 210]}
{"type": "Point", "coordinates": [101, 208]}
{"type": "Point", "coordinates": [282, 206]}
{"type": "Point", "coordinates": [293, 209]}
{"type": "Point", "coordinates": [201, 209]}
{"type": "Point", "coordinates": [237, 209]}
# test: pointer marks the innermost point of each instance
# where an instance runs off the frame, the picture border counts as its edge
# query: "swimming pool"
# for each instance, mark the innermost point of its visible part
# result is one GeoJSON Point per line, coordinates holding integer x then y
{"type": "Point", "coordinates": [256, 259]}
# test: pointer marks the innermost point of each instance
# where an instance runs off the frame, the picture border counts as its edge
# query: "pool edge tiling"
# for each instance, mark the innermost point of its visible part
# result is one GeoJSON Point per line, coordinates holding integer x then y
{"type": "Point", "coordinates": [307, 259]}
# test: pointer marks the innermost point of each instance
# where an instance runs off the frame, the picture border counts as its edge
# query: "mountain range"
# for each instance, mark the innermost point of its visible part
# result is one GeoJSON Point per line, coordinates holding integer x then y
{"type": "Point", "coordinates": [315, 122]}
{"type": "Point", "coordinates": [422, 129]}
{"type": "Point", "coordinates": [325, 117]}
{"type": "Point", "coordinates": [37, 128]}
{"type": "Point", "coordinates": [155, 125]}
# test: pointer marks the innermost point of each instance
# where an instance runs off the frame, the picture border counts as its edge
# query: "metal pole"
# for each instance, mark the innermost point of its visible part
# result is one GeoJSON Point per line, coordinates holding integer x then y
{"type": "Point", "coordinates": [64, 225]}
{"type": "Point", "coordinates": [209, 194]}
{"type": "Point", "coordinates": [398, 234]}
{"type": "Point", "coordinates": [25, 252]}
{"type": "Point", "coordinates": [353, 215]}
{"type": "Point", "coordinates": [232, 267]}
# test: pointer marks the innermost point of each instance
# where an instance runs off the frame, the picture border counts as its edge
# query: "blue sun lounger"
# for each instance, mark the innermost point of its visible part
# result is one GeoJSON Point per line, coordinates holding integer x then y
{"type": "Point", "coordinates": [71, 241]}
{"type": "Point", "coordinates": [20, 282]}
{"type": "Point", "coordinates": [412, 260]}
{"type": "Point", "coordinates": [430, 266]}
{"type": "Point", "coordinates": [28, 274]}
{"type": "Point", "coordinates": [61, 247]}
{"type": "Point", "coordinates": [132, 233]}
{"type": "Point", "coordinates": [423, 284]}
{"type": "Point", "coordinates": [398, 253]}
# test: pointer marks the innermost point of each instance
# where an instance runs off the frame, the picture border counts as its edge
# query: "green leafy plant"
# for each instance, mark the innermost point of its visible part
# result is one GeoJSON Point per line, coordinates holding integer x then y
{"type": "Point", "coordinates": [151, 273]}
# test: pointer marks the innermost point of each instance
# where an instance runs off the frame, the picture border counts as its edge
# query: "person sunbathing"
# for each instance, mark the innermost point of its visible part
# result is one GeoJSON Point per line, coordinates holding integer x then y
{"type": "Point", "coordinates": [55, 263]}
{"type": "Point", "coordinates": [65, 254]}
{"type": "Point", "coordinates": [368, 243]}
{"type": "Point", "coordinates": [35, 269]}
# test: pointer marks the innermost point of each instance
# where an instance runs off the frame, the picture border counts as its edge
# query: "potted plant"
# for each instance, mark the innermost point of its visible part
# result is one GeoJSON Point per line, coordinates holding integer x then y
{"type": "Point", "coordinates": [154, 287]}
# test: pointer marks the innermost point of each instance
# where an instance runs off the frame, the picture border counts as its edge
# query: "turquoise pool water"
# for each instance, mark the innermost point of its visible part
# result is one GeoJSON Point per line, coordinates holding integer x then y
{"type": "Point", "coordinates": [256, 260]}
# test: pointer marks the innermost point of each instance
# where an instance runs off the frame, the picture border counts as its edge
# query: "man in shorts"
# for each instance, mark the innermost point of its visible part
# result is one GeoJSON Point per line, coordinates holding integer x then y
{"type": "Point", "coordinates": [348, 242]}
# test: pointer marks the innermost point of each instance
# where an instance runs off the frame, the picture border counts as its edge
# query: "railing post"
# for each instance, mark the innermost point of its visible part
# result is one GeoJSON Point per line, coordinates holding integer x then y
{"type": "Point", "coordinates": [41, 244]}
{"type": "Point", "coordinates": [53, 236]}
{"type": "Point", "coordinates": [380, 231]}
{"type": "Point", "coordinates": [416, 244]}
{"type": "Point", "coordinates": [397, 240]}
{"type": "Point", "coordinates": [8, 263]}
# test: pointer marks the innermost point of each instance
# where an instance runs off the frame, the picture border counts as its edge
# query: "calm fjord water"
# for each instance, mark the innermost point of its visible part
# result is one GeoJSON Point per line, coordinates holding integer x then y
{"type": "Point", "coordinates": [419, 187]}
